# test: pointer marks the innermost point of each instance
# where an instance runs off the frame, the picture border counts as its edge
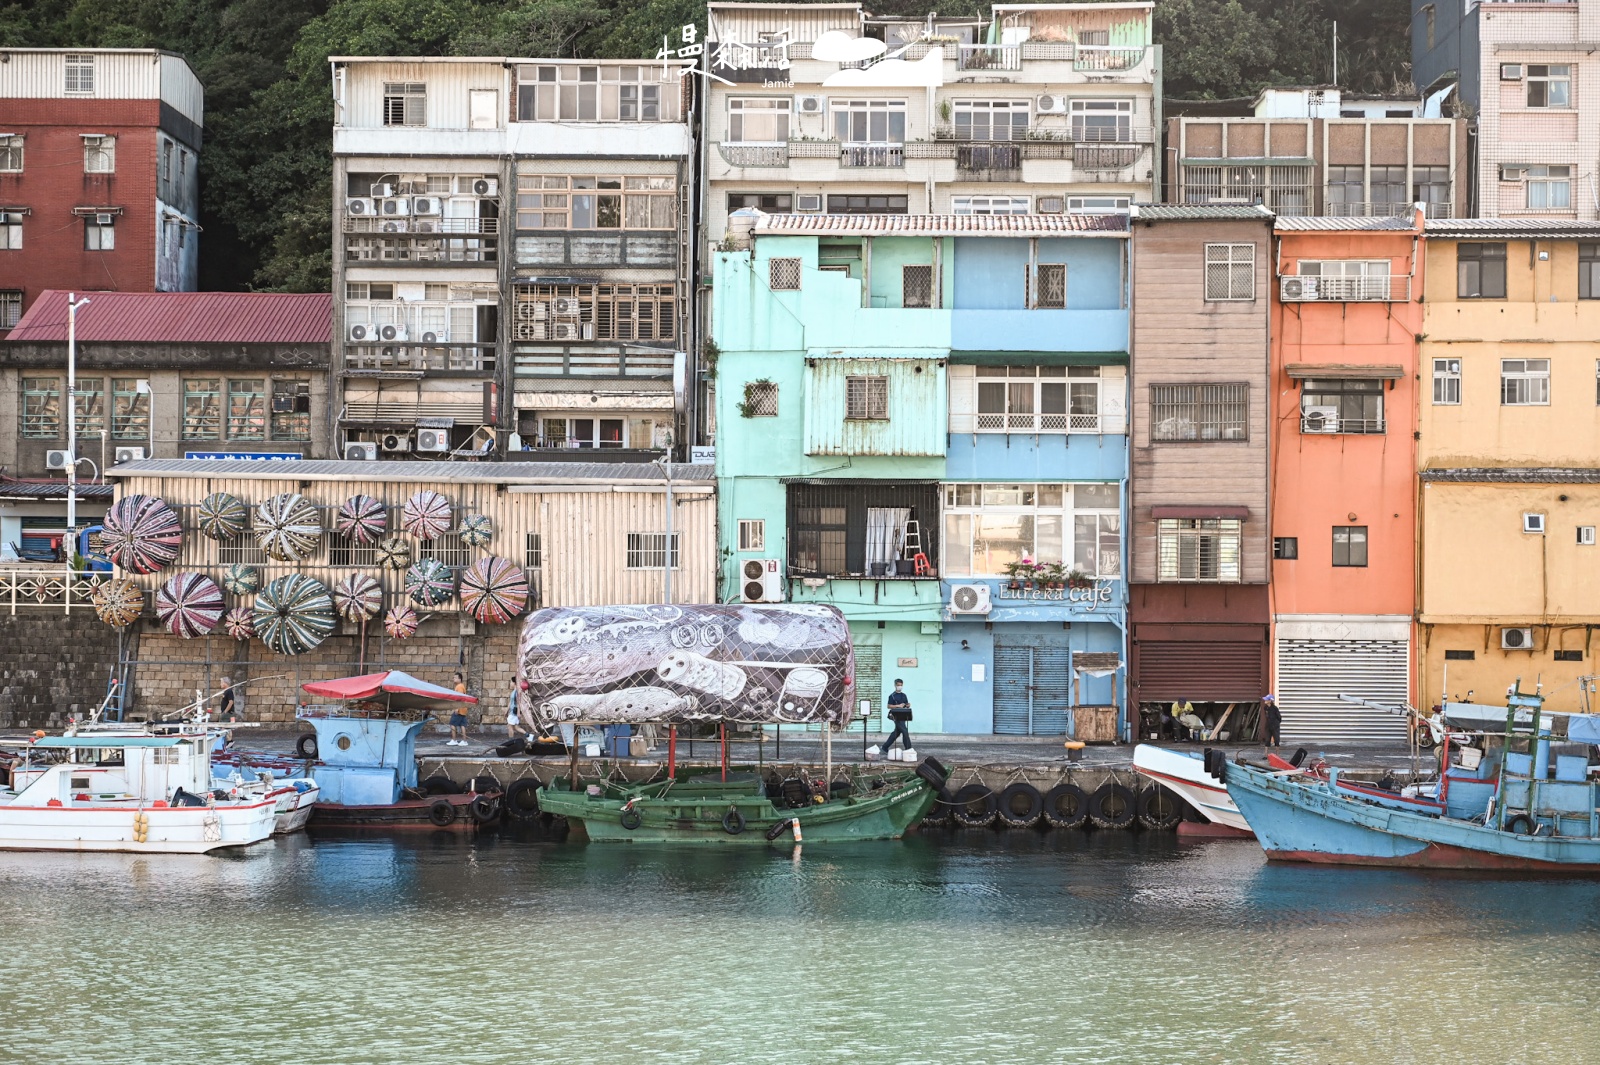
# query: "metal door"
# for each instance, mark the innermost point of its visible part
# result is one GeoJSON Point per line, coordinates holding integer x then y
{"type": "Point", "coordinates": [1201, 670]}
{"type": "Point", "coordinates": [1032, 690]}
{"type": "Point", "coordinates": [1312, 674]}
{"type": "Point", "coordinates": [869, 683]}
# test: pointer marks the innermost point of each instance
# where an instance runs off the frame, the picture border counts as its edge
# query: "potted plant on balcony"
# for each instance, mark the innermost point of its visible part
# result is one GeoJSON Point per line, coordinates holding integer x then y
{"type": "Point", "coordinates": [1076, 578]}
{"type": "Point", "coordinates": [1055, 576]}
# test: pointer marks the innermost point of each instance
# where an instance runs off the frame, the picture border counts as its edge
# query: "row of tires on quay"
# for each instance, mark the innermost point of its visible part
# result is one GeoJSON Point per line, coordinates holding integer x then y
{"type": "Point", "coordinates": [1020, 804]}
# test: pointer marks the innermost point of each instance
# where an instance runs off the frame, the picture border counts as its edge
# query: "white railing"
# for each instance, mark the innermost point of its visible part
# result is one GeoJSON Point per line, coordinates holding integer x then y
{"type": "Point", "coordinates": [872, 154]}
{"type": "Point", "coordinates": [989, 57]}
{"type": "Point", "coordinates": [48, 587]}
{"type": "Point", "coordinates": [1371, 288]}
{"type": "Point", "coordinates": [754, 154]}
{"type": "Point", "coordinates": [1035, 423]}
{"type": "Point", "coordinates": [1106, 57]}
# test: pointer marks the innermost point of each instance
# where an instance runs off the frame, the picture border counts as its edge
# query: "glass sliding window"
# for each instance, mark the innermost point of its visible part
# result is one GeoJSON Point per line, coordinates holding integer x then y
{"type": "Point", "coordinates": [990, 120]}
{"type": "Point", "coordinates": [1349, 545]}
{"type": "Point", "coordinates": [869, 121]}
{"type": "Point", "coordinates": [1524, 382]}
{"type": "Point", "coordinates": [130, 410]}
{"type": "Point", "coordinates": [405, 103]}
{"type": "Point", "coordinates": [546, 201]}
{"type": "Point", "coordinates": [988, 526]}
{"type": "Point", "coordinates": [1345, 192]}
{"type": "Point", "coordinates": [1430, 186]}
{"type": "Point", "coordinates": [1349, 279]}
{"type": "Point", "coordinates": [989, 205]}
{"type": "Point", "coordinates": [866, 204]}
{"type": "Point", "coordinates": [247, 409]}
{"type": "Point", "coordinates": [770, 202]}
{"type": "Point", "coordinates": [1199, 549]}
{"type": "Point", "coordinates": [1446, 382]}
{"type": "Point", "coordinates": [1549, 85]}
{"type": "Point", "coordinates": [1102, 120]}
{"type": "Point", "coordinates": [41, 408]}
{"type": "Point", "coordinates": [202, 408]}
{"type": "Point", "coordinates": [1480, 271]}
{"type": "Point", "coordinates": [1589, 271]}
{"type": "Point", "coordinates": [1389, 190]}
{"type": "Point", "coordinates": [585, 93]}
{"type": "Point", "coordinates": [759, 119]}
{"type": "Point", "coordinates": [1549, 188]}
{"type": "Point", "coordinates": [91, 406]}
{"type": "Point", "coordinates": [1038, 399]}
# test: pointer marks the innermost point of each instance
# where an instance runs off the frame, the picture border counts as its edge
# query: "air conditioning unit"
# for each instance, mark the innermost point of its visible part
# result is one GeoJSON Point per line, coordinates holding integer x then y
{"type": "Point", "coordinates": [1320, 420]}
{"type": "Point", "coordinates": [810, 105]}
{"type": "Point", "coordinates": [397, 207]}
{"type": "Point", "coordinates": [424, 227]}
{"type": "Point", "coordinates": [1513, 173]}
{"type": "Point", "coordinates": [435, 338]}
{"type": "Point", "coordinates": [1298, 288]}
{"type": "Point", "coordinates": [105, 219]}
{"type": "Point", "coordinates": [360, 207]}
{"type": "Point", "coordinates": [1050, 105]}
{"type": "Point", "coordinates": [969, 599]}
{"type": "Point", "coordinates": [362, 332]}
{"type": "Point", "coordinates": [1050, 204]}
{"type": "Point", "coordinates": [57, 459]}
{"type": "Point", "coordinates": [434, 440]}
{"type": "Point", "coordinates": [393, 333]}
{"type": "Point", "coordinates": [395, 225]}
{"type": "Point", "coordinates": [567, 331]}
{"type": "Point", "coordinates": [808, 202]}
{"type": "Point", "coordinates": [128, 454]}
{"type": "Point", "coordinates": [361, 451]}
{"type": "Point", "coordinates": [396, 442]}
{"type": "Point", "coordinates": [1516, 639]}
{"type": "Point", "coordinates": [425, 205]}
{"type": "Point", "coordinates": [1510, 71]}
{"type": "Point", "coordinates": [567, 307]}
{"type": "Point", "coordinates": [762, 580]}
{"type": "Point", "coordinates": [381, 191]}
{"type": "Point", "coordinates": [485, 187]}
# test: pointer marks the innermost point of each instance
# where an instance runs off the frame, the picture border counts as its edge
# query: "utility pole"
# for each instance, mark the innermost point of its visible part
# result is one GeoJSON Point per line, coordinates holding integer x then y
{"type": "Point", "coordinates": [73, 305]}
{"type": "Point", "coordinates": [665, 462]}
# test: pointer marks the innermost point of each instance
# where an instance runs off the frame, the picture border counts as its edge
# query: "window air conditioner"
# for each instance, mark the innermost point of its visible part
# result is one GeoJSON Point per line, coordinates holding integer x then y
{"type": "Point", "coordinates": [808, 203]}
{"type": "Point", "coordinates": [1299, 288]}
{"type": "Point", "coordinates": [1512, 173]}
{"type": "Point", "coordinates": [809, 105]}
{"type": "Point", "coordinates": [1050, 204]}
{"type": "Point", "coordinates": [57, 459]}
{"type": "Point", "coordinates": [397, 442]}
{"type": "Point", "coordinates": [381, 191]}
{"type": "Point", "coordinates": [425, 205]}
{"type": "Point", "coordinates": [485, 187]}
{"type": "Point", "coordinates": [393, 332]}
{"type": "Point", "coordinates": [1051, 105]}
{"type": "Point", "coordinates": [105, 219]}
{"type": "Point", "coordinates": [396, 207]}
{"type": "Point", "coordinates": [128, 454]}
{"type": "Point", "coordinates": [360, 207]}
{"type": "Point", "coordinates": [762, 580]}
{"type": "Point", "coordinates": [1510, 71]}
{"type": "Point", "coordinates": [433, 440]}
{"type": "Point", "coordinates": [969, 599]}
{"type": "Point", "coordinates": [361, 451]}
{"type": "Point", "coordinates": [1516, 639]}
{"type": "Point", "coordinates": [1321, 420]}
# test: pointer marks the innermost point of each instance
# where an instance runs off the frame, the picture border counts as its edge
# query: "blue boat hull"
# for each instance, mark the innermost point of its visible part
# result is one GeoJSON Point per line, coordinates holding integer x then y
{"type": "Point", "coordinates": [1310, 822]}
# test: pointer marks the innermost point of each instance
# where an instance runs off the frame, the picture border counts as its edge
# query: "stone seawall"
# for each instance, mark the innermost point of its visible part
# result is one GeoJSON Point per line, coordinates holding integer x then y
{"type": "Point", "coordinates": [53, 666]}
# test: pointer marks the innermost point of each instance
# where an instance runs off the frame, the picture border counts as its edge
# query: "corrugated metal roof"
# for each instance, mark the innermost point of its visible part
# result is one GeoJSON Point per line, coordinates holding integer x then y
{"type": "Point", "coordinates": [52, 490]}
{"type": "Point", "coordinates": [184, 318]}
{"type": "Point", "coordinates": [1508, 227]}
{"type": "Point", "coordinates": [1199, 212]}
{"type": "Point", "coordinates": [945, 225]}
{"type": "Point", "coordinates": [1382, 223]}
{"type": "Point", "coordinates": [1517, 475]}
{"type": "Point", "coordinates": [340, 470]}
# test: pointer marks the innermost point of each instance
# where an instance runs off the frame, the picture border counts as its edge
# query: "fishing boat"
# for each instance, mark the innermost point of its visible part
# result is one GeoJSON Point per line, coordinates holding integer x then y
{"type": "Point", "coordinates": [1516, 792]}
{"type": "Point", "coordinates": [1185, 773]}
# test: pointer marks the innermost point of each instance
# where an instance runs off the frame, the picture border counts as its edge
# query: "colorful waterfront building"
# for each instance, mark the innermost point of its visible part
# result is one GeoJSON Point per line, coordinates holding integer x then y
{"type": "Point", "coordinates": [921, 420]}
{"type": "Point", "coordinates": [1347, 313]}
{"type": "Point", "coordinates": [1509, 457]}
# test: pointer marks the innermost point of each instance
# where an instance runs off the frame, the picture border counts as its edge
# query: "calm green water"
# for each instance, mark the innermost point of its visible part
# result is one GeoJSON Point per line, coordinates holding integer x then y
{"type": "Point", "coordinates": [966, 948]}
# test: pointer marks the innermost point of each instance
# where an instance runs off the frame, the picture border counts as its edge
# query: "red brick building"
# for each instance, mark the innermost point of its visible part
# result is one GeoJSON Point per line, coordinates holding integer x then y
{"type": "Point", "coordinates": [99, 173]}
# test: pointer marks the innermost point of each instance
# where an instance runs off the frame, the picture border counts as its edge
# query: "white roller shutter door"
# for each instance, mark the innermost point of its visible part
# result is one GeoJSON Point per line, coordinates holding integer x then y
{"type": "Point", "coordinates": [1312, 674]}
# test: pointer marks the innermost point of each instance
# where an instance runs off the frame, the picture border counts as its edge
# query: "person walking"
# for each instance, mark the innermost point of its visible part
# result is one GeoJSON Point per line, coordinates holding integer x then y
{"type": "Point", "coordinates": [1271, 722]}
{"type": "Point", "coordinates": [899, 713]}
{"type": "Point", "coordinates": [227, 706]}
{"type": "Point", "coordinates": [458, 718]}
{"type": "Point", "coordinates": [513, 719]}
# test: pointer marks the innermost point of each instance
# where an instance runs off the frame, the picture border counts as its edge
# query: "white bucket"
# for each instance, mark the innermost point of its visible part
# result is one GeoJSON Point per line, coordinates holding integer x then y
{"type": "Point", "coordinates": [591, 750]}
{"type": "Point", "coordinates": [874, 751]}
{"type": "Point", "coordinates": [894, 755]}
{"type": "Point", "coordinates": [909, 755]}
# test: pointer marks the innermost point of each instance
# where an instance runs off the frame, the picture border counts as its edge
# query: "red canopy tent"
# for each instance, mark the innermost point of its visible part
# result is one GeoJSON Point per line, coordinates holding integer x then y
{"type": "Point", "coordinates": [395, 689]}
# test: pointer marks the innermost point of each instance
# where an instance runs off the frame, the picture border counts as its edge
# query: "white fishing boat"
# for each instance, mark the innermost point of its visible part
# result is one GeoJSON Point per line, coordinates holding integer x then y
{"type": "Point", "coordinates": [1185, 774]}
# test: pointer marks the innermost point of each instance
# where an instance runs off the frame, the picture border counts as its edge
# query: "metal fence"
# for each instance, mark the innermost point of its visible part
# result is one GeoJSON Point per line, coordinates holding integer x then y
{"type": "Point", "coordinates": [49, 588]}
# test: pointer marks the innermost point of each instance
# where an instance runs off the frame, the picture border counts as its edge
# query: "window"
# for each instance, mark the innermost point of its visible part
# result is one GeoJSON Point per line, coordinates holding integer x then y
{"type": "Point", "coordinates": [1094, 38]}
{"type": "Point", "coordinates": [1198, 549]}
{"type": "Point", "coordinates": [1050, 286]}
{"type": "Point", "coordinates": [1428, 16]}
{"type": "Point", "coordinates": [1341, 405]}
{"type": "Point", "coordinates": [1589, 271]}
{"type": "Point", "coordinates": [10, 307]}
{"type": "Point", "coordinates": [1349, 545]}
{"type": "Point", "coordinates": [1460, 656]}
{"type": "Point", "coordinates": [1446, 382]}
{"type": "Point", "coordinates": [866, 398]}
{"type": "Point", "coordinates": [770, 202]}
{"type": "Point", "coordinates": [1035, 399]}
{"type": "Point", "coordinates": [649, 550]}
{"type": "Point", "coordinates": [1182, 413]}
{"type": "Point", "coordinates": [90, 414]}
{"type": "Point", "coordinates": [752, 534]}
{"type": "Point", "coordinates": [41, 407]}
{"type": "Point", "coordinates": [1387, 185]}
{"type": "Point", "coordinates": [202, 408]}
{"type": "Point", "coordinates": [166, 161]}
{"type": "Point", "coordinates": [244, 551]}
{"type": "Point", "coordinates": [11, 154]}
{"type": "Point", "coordinates": [602, 433]}
{"type": "Point", "coordinates": [783, 275]}
{"type": "Point", "coordinates": [1094, 204]}
{"type": "Point", "coordinates": [989, 120]}
{"type": "Point", "coordinates": [291, 410]}
{"type": "Point", "coordinates": [989, 205]}
{"type": "Point", "coordinates": [916, 286]}
{"type": "Point", "coordinates": [1345, 186]}
{"type": "Point", "coordinates": [1549, 188]}
{"type": "Point", "coordinates": [869, 121]}
{"type": "Point", "coordinates": [1569, 656]}
{"type": "Point", "coordinates": [1348, 279]}
{"type": "Point", "coordinates": [483, 109]}
{"type": "Point", "coordinates": [1102, 120]}
{"type": "Point", "coordinates": [819, 539]}
{"type": "Point", "coordinates": [594, 312]}
{"type": "Point", "coordinates": [1430, 186]}
{"type": "Point", "coordinates": [449, 548]}
{"type": "Point", "coordinates": [533, 551]}
{"type": "Point", "coordinates": [760, 399]}
{"type": "Point", "coordinates": [584, 93]}
{"type": "Point", "coordinates": [405, 103]}
{"type": "Point", "coordinates": [247, 409]}
{"type": "Point", "coordinates": [867, 204]}
{"type": "Point", "coordinates": [1586, 536]}
{"type": "Point", "coordinates": [1286, 548]}
{"type": "Point", "coordinates": [1524, 382]}
{"type": "Point", "coordinates": [99, 154]}
{"type": "Point", "coordinates": [987, 526]}
{"type": "Point", "coordinates": [80, 73]}
{"type": "Point", "coordinates": [130, 409]}
{"type": "Point", "coordinates": [1480, 271]}
{"type": "Point", "coordinates": [1230, 272]}
{"type": "Point", "coordinates": [1533, 523]}
{"type": "Point", "coordinates": [10, 230]}
{"type": "Point", "coordinates": [759, 120]}
{"type": "Point", "coordinates": [98, 235]}
{"type": "Point", "coordinates": [546, 201]}
{"type": "Point", "coordinates": [1549, 85]}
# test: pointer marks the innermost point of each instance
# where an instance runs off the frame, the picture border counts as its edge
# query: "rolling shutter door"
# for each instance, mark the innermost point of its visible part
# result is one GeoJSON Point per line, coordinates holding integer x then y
{"type": "Point", "coordinates": [1209, 671]}
{"type": "Point", "coordinates": [1312, 674]}
{"type": "Point", "coordinates": [1012, 666]}
{"type": "Point", "coordinates": [1052, 686]}
{"type": "Point", "coordinates": [869, 682]}
{"type": "Point", "coordinates": [1032, 690]}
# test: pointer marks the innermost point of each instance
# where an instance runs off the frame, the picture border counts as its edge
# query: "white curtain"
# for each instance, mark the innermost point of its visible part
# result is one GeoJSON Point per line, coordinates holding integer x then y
{"type": "Point", "coordinates": [886, 531]}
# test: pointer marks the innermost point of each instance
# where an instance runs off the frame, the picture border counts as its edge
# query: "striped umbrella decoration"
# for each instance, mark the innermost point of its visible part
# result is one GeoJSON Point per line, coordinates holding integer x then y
{"type": "Point", "coordinates": [400, 622]}
{"type": "Point", "coordinates": [426, 515]}
{"type": "Point", "coordinates": [294, 614]}
{"type": "Point", "coordinates": [222, 516]}
{"type": "Point", "coordinates": [240, 623]}
{"type": "Point", "coordinates": [239, 579]}
{"type": "Point", "coordinates": [429, 582]}
{"type": "Point", "coordinates": [141, 533]}
{"type": "Point", "coordinates": [394, 552]}
{"type": "Point", "coordinates": [358, 597]}
{"type": "Point", "coordinates": [118, 602]}
{"type": "Point", "coordinates": [189, 604]}
{"type": "Point", "coordinates": [476, 530]}
{"type": "Point", "coordinates": [362, 519]}
{"type": "Point", "coordinates": [494, 589]}
{"type": "Point", "coordinates": [288, 527]}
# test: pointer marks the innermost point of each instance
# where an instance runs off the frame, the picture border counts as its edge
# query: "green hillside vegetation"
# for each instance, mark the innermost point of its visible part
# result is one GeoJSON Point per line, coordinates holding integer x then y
{"type": "Point", "coordinates": [265, 164]}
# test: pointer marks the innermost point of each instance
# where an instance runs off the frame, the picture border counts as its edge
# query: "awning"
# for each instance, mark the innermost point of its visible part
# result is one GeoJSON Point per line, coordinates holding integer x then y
{"type": "Point", "coordinates": [395, 689]}
{"type": "Point", "coordinates": [1215, 510]}
{"type": "Point", "coordinates": [1299, 371]}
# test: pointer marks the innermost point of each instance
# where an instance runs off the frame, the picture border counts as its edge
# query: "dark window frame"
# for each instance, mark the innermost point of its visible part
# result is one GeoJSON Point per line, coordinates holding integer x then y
{"type": "Point", "coordinates": [1490, 274]}
{"type": "Point", "coordinates": [1345, 554]}
{"type": "Point", "coordinates": [1286, 548]}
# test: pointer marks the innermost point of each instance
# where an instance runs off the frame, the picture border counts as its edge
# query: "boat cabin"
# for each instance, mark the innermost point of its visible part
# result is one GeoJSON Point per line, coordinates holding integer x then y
{"type": "Point", "coordinates": [1506, 762]}
{"type": "Point", "coordinates": [100, 768]}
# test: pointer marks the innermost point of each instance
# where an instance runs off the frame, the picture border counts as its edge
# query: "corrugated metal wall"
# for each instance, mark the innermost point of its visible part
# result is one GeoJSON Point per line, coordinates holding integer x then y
{"type": "Point", "coordinates": [448, 87]}
{"type": "Point", "coordinates": [917, 408]}
{"type": "Point", "coordinates": [804, 22]}
{"type": "Point", "coordinates": [1313, 674]}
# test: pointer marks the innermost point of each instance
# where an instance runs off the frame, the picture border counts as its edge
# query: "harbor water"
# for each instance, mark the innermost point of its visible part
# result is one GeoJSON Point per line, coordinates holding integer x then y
{"type": "Point", "coordinates": [944, 948]}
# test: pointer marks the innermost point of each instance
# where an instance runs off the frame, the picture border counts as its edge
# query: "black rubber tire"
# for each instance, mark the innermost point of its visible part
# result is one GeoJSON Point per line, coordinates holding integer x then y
{"type": "Point", "coordinates": [940, 814]}
{"type": "Point", "coordinates": [935, 774]}
{"type": "Point", "coordinates": [779, 829]}
{"type": "Point", "coordinates": [1112, 806]}
{"type": "Point", "coordinates": [511, 748]}
{"type": "Point", "coordinates": [481, 785]}
{"type": "Point", "coordinates": [439, 784]}
{"type": "Point", "coordinates": [1425, 741]}
{"type": "Point", "coordinates": [1020, 805]}
{"type": "Point", "coordinates": [1066, 806]}
{"type": "Point", "coordinates": [1299, 757]}
{"type": "Point", "coordinates": [522, 798]}
{"type": "Point", "coordinates": [733, 823]}
{"type": "Point", "coordinates": [631, 819]}
{"type": "Point", "coordinates": [1521, 825]}
{"type": "Point", "coordinates": [1215, 760]}
{"type": "Point", "coordinates": [973, 806]}
{"type": "Point", "coordinates": [305, 746]}
{"type": "Point", "coordinates": [1159, 809]}
{"type": "Point", "coordinates": [442, 812]}
{"type": "Point", "coordinates": [485, 810]}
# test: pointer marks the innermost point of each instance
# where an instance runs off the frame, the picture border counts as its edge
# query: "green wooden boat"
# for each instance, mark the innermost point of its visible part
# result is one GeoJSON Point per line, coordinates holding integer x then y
{"type": "Point", "coordinates": [739, 810]}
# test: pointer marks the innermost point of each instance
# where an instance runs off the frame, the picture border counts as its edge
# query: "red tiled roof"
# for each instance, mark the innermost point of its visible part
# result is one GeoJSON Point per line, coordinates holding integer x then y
{"type": "Point", "coordinates": [184, 318]}
{"type": "Point", "coordinates": [941, 225]}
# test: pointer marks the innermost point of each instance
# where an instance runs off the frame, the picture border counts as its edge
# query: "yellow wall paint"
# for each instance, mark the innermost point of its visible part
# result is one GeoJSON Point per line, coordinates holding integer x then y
{"type": "Point", "coordinates": [1492, 670]}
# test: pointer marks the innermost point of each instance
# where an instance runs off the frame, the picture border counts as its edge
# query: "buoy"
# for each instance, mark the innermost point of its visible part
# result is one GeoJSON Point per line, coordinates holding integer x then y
{"type": "Point", "coordinates": [795, 825]}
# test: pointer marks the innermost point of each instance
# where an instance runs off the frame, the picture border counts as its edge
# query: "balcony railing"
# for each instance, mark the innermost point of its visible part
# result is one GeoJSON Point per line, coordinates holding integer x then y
{"type": "Point", "coordinates": [419, 358]}
{"type": "Point", "coordinates": [872, 155]}
{"type": "Point", "coordinates": [989, 57]}
{"type": "Point", "coordinates": [754, 154]}
{"type": "Point", "coordinates": [1319, 424]}
{"type": "Point", "coordinates": [1372, 288]}
{"type": "Point", "coordinates": [1383, 210]}
{"type": "Point", "coordinates": [635, 363]}
{"type": "Point", "coordinates": [988, 156]}
{"type": "Point", "coordinates": [411, 248]}
{"type": "Point", "coordinates": [48, 587]}
{"type": "Point", "coordinates": [1106, 58]}
{"type": "Point", "coordinates": [1105, 157]}
{"type": "Point", "coordinates": [1037, 423]}
{"type": "Point", "coordinates": [422, 225]}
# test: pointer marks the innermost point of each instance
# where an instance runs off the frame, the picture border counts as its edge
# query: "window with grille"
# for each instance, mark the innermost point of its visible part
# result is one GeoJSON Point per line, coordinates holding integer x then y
{"type": "Point", "coordinates": [649, 551]}
{"type": "Point", "coordinates": [1050, 286]}
{"type": "Point", "coordinates": [783, 275]}
{"type": "Point", "coordinates": [99, 155]}
{"type": "Point", "coordinates": [760, 399]}
{"type": "Point", "coordinates": [991, 120]}
{"type": "Point", "coordinates": [11, 154]}
{"type": "Point", "coordinates": [1200, 412]}
{"type": "Point", "coordinates": [1349, 545]}
{"type": "Point", "coordinates": [1199, 549]}
{"type": "Point", "coordinates": [405, 103]}
{"type": "Point", "coordinates": [130, 410]}
{"type": "Point", "coordinates": [1480, 271]}
{"type": "Point", "coordinates": [866, 398]}
{"type": "Point", "coordinates": [343, 551]}
{"type": "Point", "coordinates": [560, 201]}
{"type": "Point", "coordinates": [594, 312]}
{"type": "Point", "coordinates": [450, 549]}
{"type": "Point", "coordinates": [291, 410]}
{"type": "Point", "coordinates": [1038, 399]}
{"type": "Point", "coordinates": [202, 409]}
{"type": "Point", "coordinates": [10, 307]}
{"type": "Point", "coordinates": [79, 73]}
{"type": "Point", "coordinates": [1524, 382]}
{"type": "Point", "coordinates": [1341, 405]}
{"type": "Point", "coordinates": [41, 407]}
{"type": "Point", "coordinates": [1230, 272]}
{"type": "Point", "coordinates": [98, 236]}
{"type": "Point", "coordinates": [1446, 382]}
{"type": "Point", "coordinates": [247, 409]}
{"type": "Point", "coordinates": [916, 286]}
{"type": "Point", "coordinates": [752, 534]}
{"type": "Point", "coordinates": [243, 550]}
{"type": "Point", "coordinates": [91, 406]}
{"type": "Point", "coordinates": [533, 551]}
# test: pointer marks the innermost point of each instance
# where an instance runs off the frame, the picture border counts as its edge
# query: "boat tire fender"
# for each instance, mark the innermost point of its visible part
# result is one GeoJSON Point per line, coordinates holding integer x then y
{"type": "Point", "coordinates": [939, 812]}
{"type": "Point", "coordinates": [1066, 806]}
{"type": "Point", "coordinates": [305, 746]}
{"type": "Point", "coordinates": [1521, 825]}
{"type": "Point", "coordinates": [439, 784]}
{"type": "Point", "coordinates": [1299, 757]}
{"type": "Point", "coordinates": [779, 829]}
{"type": "Point", "coordinates": [442, 812]}
{"type": "Point", "coordinates": [1159, 809]}
{"type": "Point", "coordinates": [482, 785]}
{"type": "Point", "coordinates": [631, 819]}
{"type": "Point", "coordinates": [733, 822]}
{"type": "Point", "coordinates": [1112, 806]}
{"type": "Point", "coordinates": [974, 806]}
{"type": "Point", "coordinates": [935, 774]}
{"type": "Point", "coordinates": [484, 810]}
{"type": "Point", "coordinates": [522, 798]}
{"type": "Point", "coordinates": [1020, 805]}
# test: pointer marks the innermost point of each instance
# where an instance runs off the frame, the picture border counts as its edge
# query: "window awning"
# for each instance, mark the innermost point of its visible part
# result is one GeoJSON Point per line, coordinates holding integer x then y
{"type": "Point", "coordinates": [1299, 371]}
{"type": "Point", "coordinates": [1203, 510]}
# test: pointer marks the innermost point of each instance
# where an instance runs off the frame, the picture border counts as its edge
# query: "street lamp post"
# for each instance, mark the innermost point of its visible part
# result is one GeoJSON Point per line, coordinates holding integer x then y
{"type": "Point", "coordinates": [73, 306]}
{"type": "Point", "coordinates": [665, 462]}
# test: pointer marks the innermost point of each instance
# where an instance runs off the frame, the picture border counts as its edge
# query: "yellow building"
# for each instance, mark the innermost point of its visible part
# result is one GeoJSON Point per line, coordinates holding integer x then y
{"type": "Point", "coordinates": [1509, 455]}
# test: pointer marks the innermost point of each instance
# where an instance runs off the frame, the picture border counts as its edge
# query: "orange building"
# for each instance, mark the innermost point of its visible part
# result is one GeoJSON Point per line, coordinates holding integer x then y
{"type": "Point", "coordinates": [1346, 315]}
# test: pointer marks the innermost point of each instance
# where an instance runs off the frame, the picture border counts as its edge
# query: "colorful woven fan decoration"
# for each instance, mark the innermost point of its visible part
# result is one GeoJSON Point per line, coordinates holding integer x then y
{"type": "Point", "coordinates": [358, 597]}
{"type": "Point", "coordinates": [141, 533]}
{"type": "Point", "coordinates": [222, 516]}
{"type": "Point", "coordinates": [294, 614]}
{"type": "Point", "coordinates": [394, 552]}
{"type": "Point", "coordinates": [476, 530]}
{"type": "Point", "coordinates": [239, 579]}
{"type": "Point", "coordinates": [362, 519]}
{"type": "Point", "coordinates": [429, 582]}
{"type": "Point", "coordinates": [494, 589]}
{"type": "Point", "coordinates": [288, 527]}
{"type": "Point", "coordinates": [400, 622]}
{"type": "Point", "coordinates": [118, 602]}
{"type": "Point", "coordinates": [426, 515]}
{"type": "Point", "coordinates": [189, 604]}
{"type": "Point", "coordinates": [240, 623]}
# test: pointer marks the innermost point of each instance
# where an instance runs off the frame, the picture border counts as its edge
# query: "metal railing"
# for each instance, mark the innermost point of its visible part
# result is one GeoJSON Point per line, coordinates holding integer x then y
{"type": "Point", "coordinates": [1371, 288]}
{"type": "Point", "coordinates": [1319, 425]}
{"type": "Point", "coordinates": [754, 154]}
{"type": "Point", "coordinates": [1106, 57]}
{"type": "Point", "coordinates": [48, 587]}
{"type": "Point", "coordinates": [420, 358]}
{"type": "Point", "coordinates": [989, 57]}
{"type": "Point", "coordinates": [411, 248]}
{"type": "Point", "coordinates": [1036, 423]}
{"type": "Point", "coordinates": [1105, 156]}
{"type": "Point", "coordinates": [993, 155]}
{"type": "Point", "coordinates": [422, 225]}
{"type": "Point", "coordinates": [1333, 209]}
{"type": "Point", "coordinates": [874, 154]}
